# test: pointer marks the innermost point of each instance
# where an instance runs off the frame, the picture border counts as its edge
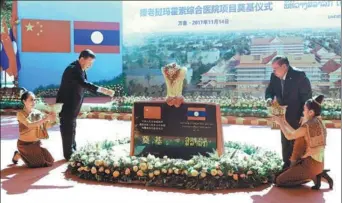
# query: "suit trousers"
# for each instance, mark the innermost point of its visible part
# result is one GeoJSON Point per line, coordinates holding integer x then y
{"type": "Point", "coordinates": [68, 132]}
{"type": "Point", "coordinates": [287, 148]}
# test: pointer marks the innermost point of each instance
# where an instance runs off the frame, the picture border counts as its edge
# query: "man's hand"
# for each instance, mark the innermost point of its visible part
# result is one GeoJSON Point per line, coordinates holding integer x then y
{"type": "Point", "coordinates": [107, 91]}
{"type": "Point", "coordinates": [269, 102]}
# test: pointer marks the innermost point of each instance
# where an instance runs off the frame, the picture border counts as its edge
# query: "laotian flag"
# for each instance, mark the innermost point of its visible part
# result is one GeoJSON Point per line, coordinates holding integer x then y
{"type": "Point", "coordinates": [100, 37]}
{"type": "Point", "coordinates": [196, 114]}
{"type": "Point", "coordinates": [15, 48]}
{"type": "Point", "coordinates": [4, 58]}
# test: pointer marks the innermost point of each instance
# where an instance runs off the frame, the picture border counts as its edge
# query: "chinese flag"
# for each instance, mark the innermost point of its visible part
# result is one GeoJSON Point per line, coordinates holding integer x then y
{"type": "Point", "coordinates": [152, 112]}
{"type": "Point", "coordinates": [45, 35]}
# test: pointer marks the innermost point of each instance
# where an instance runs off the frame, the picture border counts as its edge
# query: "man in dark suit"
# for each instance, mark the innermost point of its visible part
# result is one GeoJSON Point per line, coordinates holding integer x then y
{"type": "Point", "coordinates": [71, 94]}
{"type": "Point", "coordinates": [291, 88]}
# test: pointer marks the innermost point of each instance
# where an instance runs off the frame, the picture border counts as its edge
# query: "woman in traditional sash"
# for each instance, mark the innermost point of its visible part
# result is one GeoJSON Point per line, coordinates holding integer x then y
{"type": "Point", "coordinates": [311, 164]}
{"type": "Point", "coordinates": [33, 126]}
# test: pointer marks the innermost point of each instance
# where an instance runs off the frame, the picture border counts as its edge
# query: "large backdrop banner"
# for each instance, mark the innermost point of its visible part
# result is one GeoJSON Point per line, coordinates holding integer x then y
{"type": "Point", "coordinates": [227, 47]}
{"type": "Point", "coordinates": [51, 35]}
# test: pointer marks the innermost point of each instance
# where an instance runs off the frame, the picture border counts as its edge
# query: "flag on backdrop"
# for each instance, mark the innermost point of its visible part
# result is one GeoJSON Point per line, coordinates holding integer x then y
{"type": "Point", "coordinates": [45, 35]}
{"type": "Point", "coordinates": [100, 37]}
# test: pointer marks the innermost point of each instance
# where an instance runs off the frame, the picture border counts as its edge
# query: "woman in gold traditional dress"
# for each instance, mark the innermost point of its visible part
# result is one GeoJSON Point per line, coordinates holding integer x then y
{"type": "Point", "coordinates": [311, 164]}
{"type": "Point", "coordinates": [33, 126]}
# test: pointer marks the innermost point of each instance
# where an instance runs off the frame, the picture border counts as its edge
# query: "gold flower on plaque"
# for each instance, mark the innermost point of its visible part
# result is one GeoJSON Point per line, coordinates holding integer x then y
{"type": "Point", "coordinates": [174, 77]}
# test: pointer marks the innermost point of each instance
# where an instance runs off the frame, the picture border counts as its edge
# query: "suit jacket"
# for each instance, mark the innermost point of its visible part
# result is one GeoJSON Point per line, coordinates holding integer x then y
{"type": "Point", "coordinates": [297, 90]}
{"type": "Point", "coordinates": [71, 91]}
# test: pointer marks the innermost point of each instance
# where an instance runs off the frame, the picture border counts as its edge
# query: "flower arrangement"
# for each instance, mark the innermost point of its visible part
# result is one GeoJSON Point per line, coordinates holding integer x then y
{"type": "Point", "coordinates": [239, 107]}
{"type": "Point", "coordinates": [241, 166]}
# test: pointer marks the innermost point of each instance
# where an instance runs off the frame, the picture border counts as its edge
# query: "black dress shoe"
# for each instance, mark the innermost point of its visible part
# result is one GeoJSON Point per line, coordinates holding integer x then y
{"type": "Point", "coordinates": [13, 160]}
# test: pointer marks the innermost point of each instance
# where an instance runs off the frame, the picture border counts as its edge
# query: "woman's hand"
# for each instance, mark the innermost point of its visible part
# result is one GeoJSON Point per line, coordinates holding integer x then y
{"type": "Point", "coordinates": [52, 116]}
{"type": "Point", "coordinates": [278, 119]}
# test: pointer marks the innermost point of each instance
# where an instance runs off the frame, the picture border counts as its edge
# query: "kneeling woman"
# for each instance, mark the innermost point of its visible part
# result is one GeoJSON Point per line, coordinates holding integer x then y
{"type": "Point", "coordinates": [311, 165]}
{"type": "Point", "coordinates": [33, 126]}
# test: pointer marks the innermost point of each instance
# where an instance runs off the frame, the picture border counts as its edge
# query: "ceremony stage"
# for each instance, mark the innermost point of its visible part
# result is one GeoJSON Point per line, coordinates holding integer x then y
{"type": "Point", "coordinates": [20, 184]}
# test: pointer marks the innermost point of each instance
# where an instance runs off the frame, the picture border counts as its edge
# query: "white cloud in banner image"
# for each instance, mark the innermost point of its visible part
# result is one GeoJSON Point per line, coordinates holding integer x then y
{"type": "Point", "coordinates": [303, 14]}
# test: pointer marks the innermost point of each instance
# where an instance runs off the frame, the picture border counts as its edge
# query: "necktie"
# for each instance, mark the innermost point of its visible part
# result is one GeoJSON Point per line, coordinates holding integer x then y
{"type": "Point", "coordinates": [282, 87]}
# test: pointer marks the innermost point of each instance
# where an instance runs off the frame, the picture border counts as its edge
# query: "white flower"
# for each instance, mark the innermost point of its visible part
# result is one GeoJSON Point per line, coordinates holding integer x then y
{"type": "Point", "coordinates": [84, 157]}
{"type": "Point", "coordinates": [158, 165]}
{"type": "Point", "coordinates": [150, 166]}
{"type": "Point", "coordinates": [91, 160]}
{"type": "Point", "coordinates": [135, 162]}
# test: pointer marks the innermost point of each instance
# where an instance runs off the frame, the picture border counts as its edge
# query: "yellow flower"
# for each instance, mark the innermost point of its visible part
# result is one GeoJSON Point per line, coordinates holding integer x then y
{"type": "Point", "coordinates": [150, 175]}
{"type": "Point", "coordinates": [86, 168]}
{"type": "Point", "coordinates": [80, 169]}
{"type": "Point", "coordinates": [98, 163]}
{"type": "Point", "coordinates": [249, 172]}
{"type": "Point", "coordinates": [176, 171]}
{"type": "Point", "coordinates": [93, 170]}
{"type": "Point", "coordinates": [116, 174]}
{"type": "Point", "coordinates": [203, 174]}
{"type": "Point", "coordinates": [143, 166]}
{"type": "Point", "coordinates": [156, 172]}
{"type": "Point", "coordinates": [107, 171]}
{"type": "Point", "coordinates": [140, 173]}
{"type": "Point", "coordinates": [194, 173]}
{"type": "Point", "coordinates": [101, 169]}
{"type": "Point", "coordinates": [220, 173]}
{"type": "Point", "coordinates": [127, 171]}
{"type": "Point", "coordinates": [170, 171]}
{"type": "Point", "coordinates": [185, 172]}
{"type": "Point", "coordinates": [135, 168]}
{"type": "Point", "coordinates": [230, 173]}
{"type": "Point", "coordinates": [235, 177]}
{"type": "Point", "coordinates": [164, 170]}
{"type": "Point", "coordinates": [213, 172]}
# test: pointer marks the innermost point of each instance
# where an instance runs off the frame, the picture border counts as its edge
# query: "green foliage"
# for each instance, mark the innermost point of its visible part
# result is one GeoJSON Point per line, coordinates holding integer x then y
{"type": "Point", "coordinates": [6, 12]}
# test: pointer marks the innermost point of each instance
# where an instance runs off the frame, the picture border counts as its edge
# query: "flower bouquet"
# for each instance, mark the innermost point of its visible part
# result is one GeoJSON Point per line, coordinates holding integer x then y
{"type": "Point", "coordinates": [50, 108]}
{"type": "Point", "coordinates": [275, 109]}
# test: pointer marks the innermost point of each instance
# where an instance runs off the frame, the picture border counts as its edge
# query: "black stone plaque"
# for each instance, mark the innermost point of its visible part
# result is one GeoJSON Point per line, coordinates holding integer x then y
{"type": "Point", "coordinates": [182, 132]}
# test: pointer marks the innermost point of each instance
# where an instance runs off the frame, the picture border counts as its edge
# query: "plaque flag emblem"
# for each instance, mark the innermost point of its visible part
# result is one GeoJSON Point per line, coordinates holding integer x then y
{"type": "Point", "coordinates": [196, 114]}
{"type": "Point", "coordinates": [152, 112]}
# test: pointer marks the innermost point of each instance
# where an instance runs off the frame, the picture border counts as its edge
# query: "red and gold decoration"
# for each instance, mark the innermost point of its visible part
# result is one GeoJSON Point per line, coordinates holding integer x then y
{"type": "Point", "coordinates": [174, 78]}
{"type": "Point", "coordinates": [276, 110]}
